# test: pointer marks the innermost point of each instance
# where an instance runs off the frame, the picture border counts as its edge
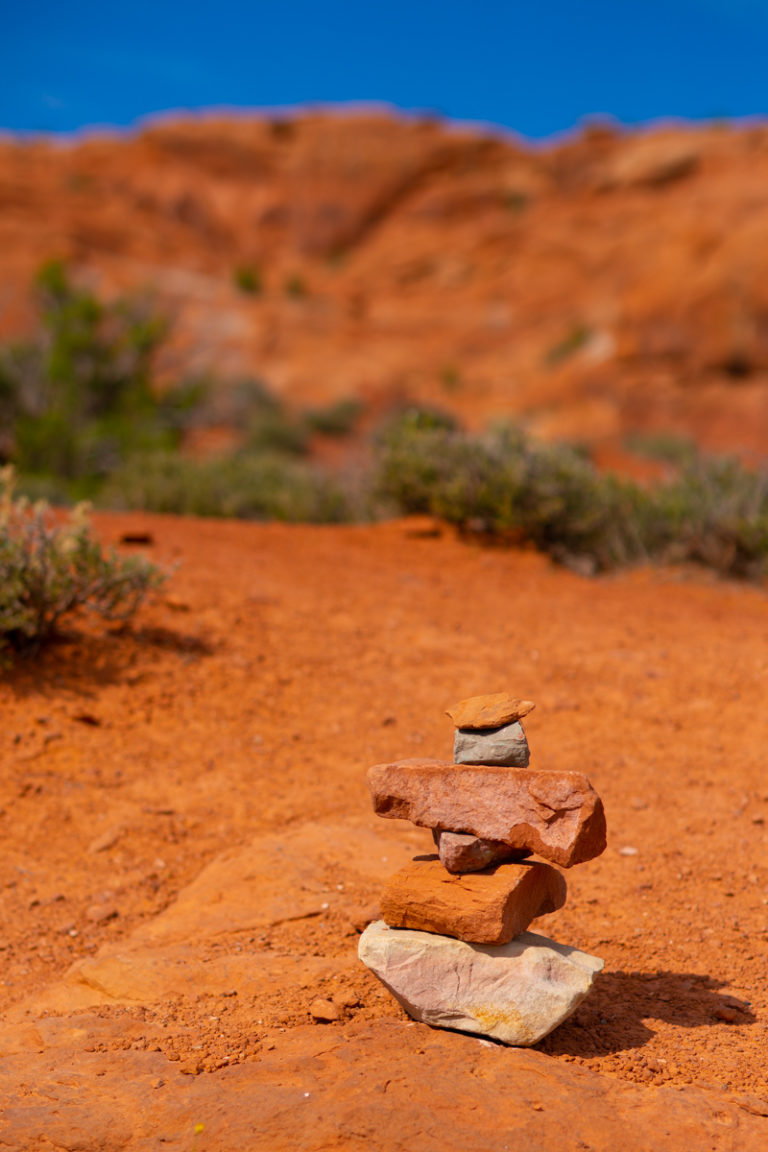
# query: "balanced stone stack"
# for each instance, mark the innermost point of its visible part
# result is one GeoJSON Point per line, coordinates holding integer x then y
{"type": "Point", "coordinates": [452, 945]}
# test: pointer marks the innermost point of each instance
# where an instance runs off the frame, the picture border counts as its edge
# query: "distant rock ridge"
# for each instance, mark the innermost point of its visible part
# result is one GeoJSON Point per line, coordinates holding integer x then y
{"type": "Point", "coordinates": [608, 283]}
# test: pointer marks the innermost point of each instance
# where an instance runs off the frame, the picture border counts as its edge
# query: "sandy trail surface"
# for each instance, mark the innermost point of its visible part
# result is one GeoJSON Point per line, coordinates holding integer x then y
{"type": "Point", "coordinates": [188, 852]}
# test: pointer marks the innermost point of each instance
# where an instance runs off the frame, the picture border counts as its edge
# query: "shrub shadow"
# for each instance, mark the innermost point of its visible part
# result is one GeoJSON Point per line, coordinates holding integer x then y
{"type": "Point", "coordinates": [613, 1017]}
{"type": "Point", "coordinates": [79, 663]}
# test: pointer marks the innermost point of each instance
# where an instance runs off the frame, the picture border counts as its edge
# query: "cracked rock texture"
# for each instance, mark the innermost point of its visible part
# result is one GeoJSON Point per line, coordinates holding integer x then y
{"type": "Point", "coordinates": [558, 815]}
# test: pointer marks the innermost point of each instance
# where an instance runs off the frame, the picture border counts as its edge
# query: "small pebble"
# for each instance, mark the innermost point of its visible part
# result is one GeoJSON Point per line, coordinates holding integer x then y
{"type": "Point", "coordinates": [346, 998]}
{"type": "Point", "coordinates": [324, 1010]}
{"type": "Point", "coordinates": [99, 913]}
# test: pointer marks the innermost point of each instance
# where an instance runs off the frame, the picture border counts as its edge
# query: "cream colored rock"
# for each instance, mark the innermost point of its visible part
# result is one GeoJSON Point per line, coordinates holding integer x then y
{"type": "Point", "coordinates": [517, 992]}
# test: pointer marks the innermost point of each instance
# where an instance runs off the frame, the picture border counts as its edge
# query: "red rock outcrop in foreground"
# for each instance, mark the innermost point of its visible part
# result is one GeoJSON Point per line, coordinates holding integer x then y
{"type": "Point", "coordinates": [188, 853]}
{"type": "Point", "coordinates": [558, 815]}
{"type": "Point", "coordinates": [607, 283]}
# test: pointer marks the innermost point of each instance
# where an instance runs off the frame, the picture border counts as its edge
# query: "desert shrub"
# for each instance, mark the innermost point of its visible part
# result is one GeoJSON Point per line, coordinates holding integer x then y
{"type": "Point", "coordinates": [715, 512]}
{"type": "Point", "coordinates": [249, 486]}
{"type": "Point", "coordinates": [335, 419]}
{"type": "Point", "coordinates": [416, 455]}
{"type": "Point", "coordinates": [248, 279]}
{"type": "Point", "coordinates": [669, 447]}
{"type": "Point", "coordinates": [79, 397]}
{"type": "Point", "coordinates": [516, 201]}
{"type": "Point", "coordinates": [569, 509]}
{"type": "Point", "coordinates": [48, 571]}
{"type": "Point", "coordinates": [573, 341]}
{"type": "Point", "coordinates": [277, 431]}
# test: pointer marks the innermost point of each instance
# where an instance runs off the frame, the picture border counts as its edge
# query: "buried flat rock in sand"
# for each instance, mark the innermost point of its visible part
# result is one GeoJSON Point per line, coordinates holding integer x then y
{"type": "Point", "coordinates": [555, 814]}
{"type": "Point", "coordinates": [489, 711]}
{"type": "Point", "coordinates": [516, 992]}
{"type": "Point", "coordinates": [460, 852]}
{"type": "Point", "coordinates": [482, 907]}
{"type": "Point", "coordinates": [505, 746]}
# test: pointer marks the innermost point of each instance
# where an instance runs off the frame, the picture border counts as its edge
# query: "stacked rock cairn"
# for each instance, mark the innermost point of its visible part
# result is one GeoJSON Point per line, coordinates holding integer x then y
{"type": "Point", "coordinates": [452, 944]}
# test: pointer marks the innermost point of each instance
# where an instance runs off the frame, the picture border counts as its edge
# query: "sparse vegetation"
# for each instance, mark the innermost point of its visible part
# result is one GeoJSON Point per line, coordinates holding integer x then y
{"type": "Point", "coordinates": [250, 486]}
{"type": "Point", "coordinates": [49, 571]}
{"type": "Point", "coordinates": [79, 398]}
{"type": "Point", "coordinates": [668, 447]}
{"type": "Point", "coordinates": [335, 419]}
{"type": "Point", "coordinates": [81, 413]}
{"type": "Point", "coordinates": [516, 201]}
{"type": "Point", "coordinates": [715, 512]}
{"type": "Point", "coordinates": [249, 280]}
{"type": "Point", "coordinates": [572, 342]}
{"type": "Point", "coordinates": [450, 378]}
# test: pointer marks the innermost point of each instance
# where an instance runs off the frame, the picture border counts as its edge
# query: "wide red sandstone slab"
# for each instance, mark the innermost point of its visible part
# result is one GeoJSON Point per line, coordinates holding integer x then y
{"type": "Point", "coordinates": [489, 711]}
{"type": "Point", "coordinates": [558, 815]}
{"type": "Point", "coordinates": [489, 907]}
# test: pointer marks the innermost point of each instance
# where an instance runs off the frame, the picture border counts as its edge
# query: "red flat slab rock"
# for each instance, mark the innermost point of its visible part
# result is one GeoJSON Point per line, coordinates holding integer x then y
{"type": "Point", "coordinates": [489, 907]}
{"type": "Point", "coordinates": [489, 711]}
{"type": "Point", "coordinates": [558, 815]}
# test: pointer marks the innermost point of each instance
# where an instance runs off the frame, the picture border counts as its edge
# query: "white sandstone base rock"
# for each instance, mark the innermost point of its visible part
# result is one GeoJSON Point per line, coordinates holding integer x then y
{"type": "Point", "coordinates": [516, 992]}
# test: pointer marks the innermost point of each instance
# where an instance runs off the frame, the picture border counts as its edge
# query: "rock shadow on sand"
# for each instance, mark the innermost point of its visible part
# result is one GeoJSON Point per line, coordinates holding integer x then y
{"type": "Point", "coordinates": [615, 1015]}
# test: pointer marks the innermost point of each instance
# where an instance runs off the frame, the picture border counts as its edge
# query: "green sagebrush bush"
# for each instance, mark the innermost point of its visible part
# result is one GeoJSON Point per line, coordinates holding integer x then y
{"type": "Point", "coordinates": [336, 419]}
{"type": "Point", "coordinates": [79, 397]}
{"type": "Point", "coordinates": [249, 486]}
{"type": "Point", "coordinates": [50, 570]}
{"type": "Point", "coordinates": [714, 512]}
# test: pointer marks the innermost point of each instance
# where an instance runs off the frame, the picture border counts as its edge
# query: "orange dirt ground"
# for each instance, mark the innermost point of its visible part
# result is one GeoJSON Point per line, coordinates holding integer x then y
{"type": "Point", "coordinates": [189, 852]}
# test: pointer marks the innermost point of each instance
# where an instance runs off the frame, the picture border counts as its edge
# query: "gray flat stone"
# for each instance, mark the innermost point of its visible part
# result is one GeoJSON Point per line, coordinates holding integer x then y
{"type": "Point", "coordinates": [461, 852]}
{"type": "Point", "coordinates": [517, 992]}
{"type": "Point", "coordinates": [505, 747]}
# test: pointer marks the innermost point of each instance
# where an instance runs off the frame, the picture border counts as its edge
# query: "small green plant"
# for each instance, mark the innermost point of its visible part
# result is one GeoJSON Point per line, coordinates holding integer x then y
{"type": "Point", "coordinates": [668, 447]}
{"type": "Point", "coordinates": [249, 486]}
{"type": "Point", "coordinates": [336, 419]}
{"type": "Point", "coordinates": [450, 378]}
{"type": "Point", "coordinates": [573, 341]}
{"type": "Point", "coordinates": [80, 396]}
{"type": "Point", "coordinates": [515, 201]}
{"type": "Point", "coordinates": [277, 431]}
{"type": "Point", "coordinates": [248, 279]}
{"type": "Point", "coordinates": [49, 571]}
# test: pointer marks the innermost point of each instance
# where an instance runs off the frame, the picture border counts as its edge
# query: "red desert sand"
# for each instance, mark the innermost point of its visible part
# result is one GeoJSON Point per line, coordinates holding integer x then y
{"type": "Point", "coordinates": [189, 852]}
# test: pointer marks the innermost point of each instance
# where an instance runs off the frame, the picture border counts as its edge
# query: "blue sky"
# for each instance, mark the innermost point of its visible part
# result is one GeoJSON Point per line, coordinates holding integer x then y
{"type": "Point", "coordinates": [537, 69]}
